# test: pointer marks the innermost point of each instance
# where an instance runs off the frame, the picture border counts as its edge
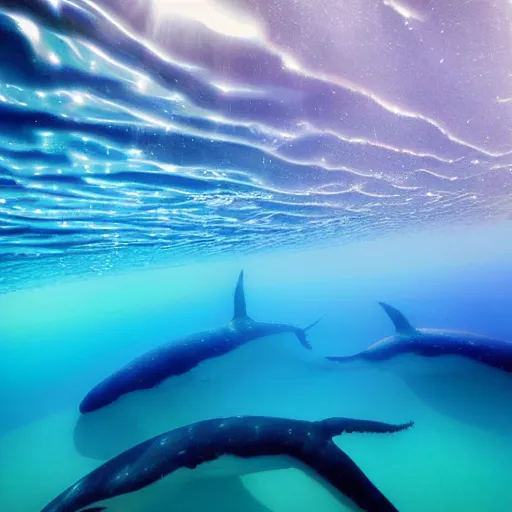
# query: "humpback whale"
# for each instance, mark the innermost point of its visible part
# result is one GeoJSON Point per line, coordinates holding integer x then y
{"type": "Point", "coordinates": [434, 343]}
{"type": "Point", "coordinates": [461, 374]}
{"type": "Point", "coordinates": [142, 477]}
{"type": "Point", "coordinates": [182, 355]}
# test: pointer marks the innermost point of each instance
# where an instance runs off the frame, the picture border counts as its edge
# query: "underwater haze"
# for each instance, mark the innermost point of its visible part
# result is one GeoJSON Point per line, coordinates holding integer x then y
{"type": "Point", "coordinates": [342, 154]}
{"type": "Point", "coordinates": [60, 340]}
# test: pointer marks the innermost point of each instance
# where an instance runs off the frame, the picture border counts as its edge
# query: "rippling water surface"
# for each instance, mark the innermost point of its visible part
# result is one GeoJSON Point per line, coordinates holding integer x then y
{"type": "Point", "coordinates": [131, 131]}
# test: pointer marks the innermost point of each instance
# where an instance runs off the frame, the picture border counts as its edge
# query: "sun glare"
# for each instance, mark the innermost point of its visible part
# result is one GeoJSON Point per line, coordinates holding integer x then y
{"type": "Point", "coordinates": [211, 13]}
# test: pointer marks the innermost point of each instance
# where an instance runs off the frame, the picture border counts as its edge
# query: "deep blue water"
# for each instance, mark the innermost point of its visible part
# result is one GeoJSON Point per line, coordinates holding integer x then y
{"type": "Point", "coordinates": [60, 340]}
{"type": "Point", "coordinates": [67, 337]}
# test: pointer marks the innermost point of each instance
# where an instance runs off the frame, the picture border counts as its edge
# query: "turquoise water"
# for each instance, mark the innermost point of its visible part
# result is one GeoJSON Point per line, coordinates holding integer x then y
{"type": "Point", "coordinates": [340, 154]}
{"type": "Point", "coordinates": [58, 341]}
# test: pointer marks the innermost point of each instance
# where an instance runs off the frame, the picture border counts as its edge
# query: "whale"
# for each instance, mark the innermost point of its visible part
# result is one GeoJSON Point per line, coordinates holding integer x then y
{"type": "Point", "coordinates": [182, 355]}
{"type": "Point", "coordinates": [435, 343]}
{"type": "Point", "coordinates": [167, 386]}
{"type": "Point", "coordinates": [465, 375]}
{"type": "Point", "coordinates": [144, 477]}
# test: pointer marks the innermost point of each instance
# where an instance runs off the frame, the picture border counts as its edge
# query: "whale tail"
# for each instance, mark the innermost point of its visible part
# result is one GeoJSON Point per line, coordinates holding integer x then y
{"type": "Point", "coordinates": [310, 326]}
{"type": "Point", "coordinates": [240, 312]}
{"type": "Point", "coordinates": [302, 333]}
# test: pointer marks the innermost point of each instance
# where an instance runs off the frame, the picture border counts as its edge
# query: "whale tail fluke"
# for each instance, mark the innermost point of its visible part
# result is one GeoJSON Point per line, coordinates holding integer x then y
{"type": "Point", "coordinates": [310, 326]}
{"type": "Point", "coordinates": [240, 313]}
{"type": "Point", "coordinates": [302, 333]}
{"type": "Point", "coordinates": [337, 426]}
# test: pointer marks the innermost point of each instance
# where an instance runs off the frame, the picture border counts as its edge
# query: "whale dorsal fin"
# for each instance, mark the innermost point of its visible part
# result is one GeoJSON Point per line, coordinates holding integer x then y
{"type": "Point", "coordinates": [401, 323]}
{"type": "Point", "coordinates": [240, 307]}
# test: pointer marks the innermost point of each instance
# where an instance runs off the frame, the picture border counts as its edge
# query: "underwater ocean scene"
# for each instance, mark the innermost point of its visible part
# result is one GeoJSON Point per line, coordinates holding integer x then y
{"type": "Point", "coordinates": [255, 256]}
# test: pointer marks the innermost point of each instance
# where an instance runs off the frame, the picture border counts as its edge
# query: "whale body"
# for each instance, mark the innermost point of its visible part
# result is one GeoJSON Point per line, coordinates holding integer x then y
{"type": "Point", "coordinates": [182, 355]}
{"type": "Point", "coordinates": [435, 343]}
{"type": "Point", "coordinates": [142, 478]}
{"type": "Point", "coordinates": [222, 372]}
{"type": "Point", "coordinates": [463, 375]}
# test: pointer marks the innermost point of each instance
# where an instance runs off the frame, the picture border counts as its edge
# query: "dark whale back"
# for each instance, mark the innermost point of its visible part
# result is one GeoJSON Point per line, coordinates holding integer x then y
{"type": "Point", "coordinates": [182, 355]}
{"type": "Point", "coordinates": [245, 437]}
{"type": "Point", "coordinates": [434, 343]}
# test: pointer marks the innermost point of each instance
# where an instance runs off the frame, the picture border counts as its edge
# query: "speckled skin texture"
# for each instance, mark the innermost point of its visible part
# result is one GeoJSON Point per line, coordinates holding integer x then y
{"type": "Point", "coordinates": [309, 443]}
{"type": "Point", "coordinates": [435, 343]}
{"type": "Point", "coordinates": [182, 355]}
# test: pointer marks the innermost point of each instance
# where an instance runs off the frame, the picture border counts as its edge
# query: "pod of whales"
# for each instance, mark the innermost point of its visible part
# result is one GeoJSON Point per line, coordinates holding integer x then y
{"type": "Point", "coordinates": [182, 355]}
{"type": "Point", "coordinates": [226, 447]}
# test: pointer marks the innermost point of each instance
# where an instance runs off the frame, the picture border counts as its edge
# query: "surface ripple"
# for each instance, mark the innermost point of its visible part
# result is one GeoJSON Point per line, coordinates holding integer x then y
{"type": "Point", "coordinates": [133, 133]}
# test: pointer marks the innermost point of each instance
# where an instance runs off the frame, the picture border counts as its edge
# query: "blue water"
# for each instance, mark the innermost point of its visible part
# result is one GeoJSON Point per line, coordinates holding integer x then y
{"type": "Point", "coordinates": [343, 155]}
{"type": "Point", "coordinates": [60, 340]}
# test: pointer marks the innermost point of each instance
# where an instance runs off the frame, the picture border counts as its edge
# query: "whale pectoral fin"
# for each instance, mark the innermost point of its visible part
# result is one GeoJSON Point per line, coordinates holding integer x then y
{"type": "Point", "coordinates": [332, 466]}
{"type": "Point", "coordinates": [94, 509]}
{"type": "Point", "coordinates": [401, 323]}
{"type": "Point", "coordinates": [240, 310]}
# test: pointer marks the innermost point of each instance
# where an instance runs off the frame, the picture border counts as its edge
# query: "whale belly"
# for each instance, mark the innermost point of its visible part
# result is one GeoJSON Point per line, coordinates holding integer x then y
{"type": "Point", "coordinates": [458, 387]}
{"type": "Point", "coordinates": [172, 492]}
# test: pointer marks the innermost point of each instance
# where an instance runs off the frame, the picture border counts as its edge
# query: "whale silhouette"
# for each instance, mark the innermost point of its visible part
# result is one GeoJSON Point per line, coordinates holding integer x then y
{"type": "Point", "coordinates": [182, 355]}
{"type": "Point", "coordinates": [144, 477]}
{"type": "Point", "coordinates": [461, 374]}
{"type": "Point", "coordinates": [165, 388]}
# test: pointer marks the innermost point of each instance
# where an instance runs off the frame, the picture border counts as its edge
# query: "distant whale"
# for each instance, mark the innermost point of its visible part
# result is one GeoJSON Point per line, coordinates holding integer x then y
{"type": "Point", "coordinates": [435, 343]}
{"type": "Point", "coordinates": [182, 355]}
{"type": "Point", "coordinates": [143, 478]}
{"type": "Point", "coordinates": [465, 375]}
